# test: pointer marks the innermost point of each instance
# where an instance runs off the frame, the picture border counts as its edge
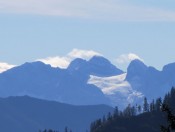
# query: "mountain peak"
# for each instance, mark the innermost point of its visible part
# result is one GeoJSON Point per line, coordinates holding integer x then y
{"type": "Point", "coordinates": [36, 63]}
{"type": "Point", "coordinates": [136, 68]}
{"type": "Point", "coordinates": [28, 66]}
{"type": "Point", "coordinates": [97, 65]}
{"type": "Point", "coordinates": [99, 60]}
{"type": "Point", "coordinates": [77, 64]}
{"type": "Point", "coordinates": [170, 67]}
{"type": "Point", "coordinates": [137, 61]}
{"type": "Point", "coordinates": [168, 71]}
{"type": "Point", "coordinates": [137, 64]}
{"type": "Point", "coordinates": [103, 67]}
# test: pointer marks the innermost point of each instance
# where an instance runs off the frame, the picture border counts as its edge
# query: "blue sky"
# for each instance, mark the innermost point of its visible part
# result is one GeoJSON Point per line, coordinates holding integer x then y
{"type": "Point", "coordinates": [32, 30]}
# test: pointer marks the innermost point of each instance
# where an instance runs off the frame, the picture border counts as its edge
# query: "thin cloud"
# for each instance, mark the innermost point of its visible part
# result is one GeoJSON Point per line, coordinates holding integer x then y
{"type": "Point", "coordinates": [64, 61]}
{"type": "Point", "coordinates": [127, 58]}
{"type": "Point", "coordinates": [84, 54]}
{"type": "Point", "coordinates": [89, 9]}
{"type": "Point", "coordinates": [56, 61]}
{"type": "Point", "coordinates": [5, 67]}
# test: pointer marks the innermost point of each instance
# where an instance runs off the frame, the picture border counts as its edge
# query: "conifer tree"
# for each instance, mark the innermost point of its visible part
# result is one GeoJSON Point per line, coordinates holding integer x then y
{"type": "Point", "coordinates": [104, 119]}
{"type": "Point", "coordinates": [139, 109]}
{"type": "Point", "coordinates": [66, 129]}
{"type": "Point", "coordinates": [158, 104]}
{"type": "Point", "coordinates": [170, 119]}
{"type": "Point", "coordinates": [145, 105]}
{"type": "Point", "coordinates": [109, 116]}
{"type": "Point", "coordinates": [116, 112]}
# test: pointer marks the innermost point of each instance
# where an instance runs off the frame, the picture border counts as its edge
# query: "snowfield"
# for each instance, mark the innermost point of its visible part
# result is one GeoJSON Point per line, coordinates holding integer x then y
{"type": "Point", "coordinates": [117, 89]}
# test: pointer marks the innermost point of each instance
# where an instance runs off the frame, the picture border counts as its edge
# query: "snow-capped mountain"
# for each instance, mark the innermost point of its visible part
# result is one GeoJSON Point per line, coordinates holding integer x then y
{"type": "Point", "coordinates": [96, 81]}
{"type": "Point", "coordinates": [148, 80]}
{"type": "Point", "coordinates": [139, 81]}
{"type": "Point", "coordinates": [97, 65]}
{"type": "Point", "coordinates": [65, 85]}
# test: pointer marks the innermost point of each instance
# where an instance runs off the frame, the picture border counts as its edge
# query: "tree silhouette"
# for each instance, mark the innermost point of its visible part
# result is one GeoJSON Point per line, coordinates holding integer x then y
{"type": "Point", "coordinates": [145, 105]}
{"type": "Point", "coordinates": [66, 129]}
{"type": "Point", "coordinates": [170, 119]}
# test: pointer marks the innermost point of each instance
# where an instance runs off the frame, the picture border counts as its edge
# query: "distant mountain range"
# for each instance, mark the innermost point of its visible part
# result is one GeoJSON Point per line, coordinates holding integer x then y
{"type": "Point", "coordinates": [96, 81]}
{"type": "Point", "coordinates": [139, 81]}
{"type": "Point", "coordinates": [26, 114]}
{"type": "Point", "coordinates": [148, 80]}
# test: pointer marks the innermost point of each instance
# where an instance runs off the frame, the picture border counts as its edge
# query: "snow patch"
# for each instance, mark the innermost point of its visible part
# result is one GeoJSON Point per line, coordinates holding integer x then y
{"type": "Point", "coordinates": [117, 89]}
{"type": "Point", "coordinates": [111, 85]}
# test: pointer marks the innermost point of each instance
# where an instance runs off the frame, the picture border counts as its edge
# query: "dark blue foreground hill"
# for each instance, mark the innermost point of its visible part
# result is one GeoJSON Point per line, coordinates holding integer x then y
{"type": "Point", "coordinates": [26, 114]}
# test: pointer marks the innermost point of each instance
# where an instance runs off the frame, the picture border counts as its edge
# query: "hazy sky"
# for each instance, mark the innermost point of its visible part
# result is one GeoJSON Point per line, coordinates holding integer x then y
{"type": "Point", "coordinates": [64, 29]}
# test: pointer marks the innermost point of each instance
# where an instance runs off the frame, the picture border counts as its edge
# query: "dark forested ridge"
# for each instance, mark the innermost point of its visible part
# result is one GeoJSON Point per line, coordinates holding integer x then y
{"type": "Point", "coordinates": [157, 116]}
{"type": "Point", "coordinates": [26, 114]}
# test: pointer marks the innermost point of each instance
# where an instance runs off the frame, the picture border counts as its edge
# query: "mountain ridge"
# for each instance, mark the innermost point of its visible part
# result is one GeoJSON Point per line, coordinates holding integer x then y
{"type": "Point", "coordinates": [72, 85]}
{"type": "Point", "coordinates": [43, 81]}
{"type": "Point", "coordinates": [31, 115]}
